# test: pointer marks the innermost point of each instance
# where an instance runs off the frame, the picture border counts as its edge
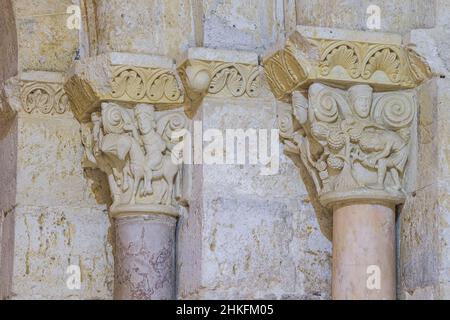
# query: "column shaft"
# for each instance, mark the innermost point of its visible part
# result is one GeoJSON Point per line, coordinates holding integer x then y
{"type": "Point", "coordinates": [145, 257]}
{"type": "Point", "coordinates": [364, 252]}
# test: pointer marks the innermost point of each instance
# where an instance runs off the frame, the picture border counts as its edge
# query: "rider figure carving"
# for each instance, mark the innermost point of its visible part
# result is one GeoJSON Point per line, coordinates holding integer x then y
{"type": "Point", "coordinates": [154, 145]}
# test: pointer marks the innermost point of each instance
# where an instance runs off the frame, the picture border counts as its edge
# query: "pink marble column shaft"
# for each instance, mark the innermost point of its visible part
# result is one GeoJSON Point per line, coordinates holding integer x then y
{"type": "Point", "coordinates": [364, 252]}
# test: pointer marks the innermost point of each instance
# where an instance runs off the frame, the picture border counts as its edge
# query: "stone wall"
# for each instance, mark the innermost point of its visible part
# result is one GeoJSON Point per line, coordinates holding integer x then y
{"type": "Point", "coordinates": [8, 147]}
{"type": "Point", "coordinates": [58, 221]}
{"type": "Point", "coordinates": [244, 235]}
{"type": "Point", "coordinates": [424, 220]}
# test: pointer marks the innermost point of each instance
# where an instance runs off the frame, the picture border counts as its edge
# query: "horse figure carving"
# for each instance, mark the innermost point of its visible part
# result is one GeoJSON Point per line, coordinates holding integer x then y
{"type": "Point", "coordinates": [125, 149]}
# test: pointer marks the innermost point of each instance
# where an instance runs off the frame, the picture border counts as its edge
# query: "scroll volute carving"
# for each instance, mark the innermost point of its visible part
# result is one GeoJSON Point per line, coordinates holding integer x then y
{"type": "Point", "coordinates": [133, 147]}
{"type": "Point", "coordinates": [355, 144]}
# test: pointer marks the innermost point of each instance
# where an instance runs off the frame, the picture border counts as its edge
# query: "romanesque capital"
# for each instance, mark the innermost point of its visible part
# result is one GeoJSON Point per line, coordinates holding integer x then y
{"type": "Point", "coordinates": [129, 106]}
{"type": "Point", "coordinates": [134, 147]}
{"type": "Point", "coordinates": [350, 116]}
{"type": "Point", "coordinates": [219, 73]}
{"type": "Point", "coordinates": [354, 143]}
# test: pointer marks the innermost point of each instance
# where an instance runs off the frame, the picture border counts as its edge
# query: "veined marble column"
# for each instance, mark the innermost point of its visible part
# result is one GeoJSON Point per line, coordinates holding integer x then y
{"type": "Point", "coordinates": [145, 256]}
{"type": "Point", "coordinates": [127, 119]}
{"type": "Point", "coordinates": [352, 127]}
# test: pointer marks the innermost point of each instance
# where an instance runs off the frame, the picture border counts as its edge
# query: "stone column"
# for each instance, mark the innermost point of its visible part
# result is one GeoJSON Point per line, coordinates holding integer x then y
{"type": "Point", "coordinates": [145, 257]}
{"type": "Point", "coordinates": [367, 232]}
{"type": "Point", "coordinates": [352, 128]}
{"type": "Point", "coordinates": [127, 120]}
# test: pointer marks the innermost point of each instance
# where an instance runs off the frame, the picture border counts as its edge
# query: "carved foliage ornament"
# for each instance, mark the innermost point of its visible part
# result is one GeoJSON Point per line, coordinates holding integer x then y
{"type": "Point", "coordinates": [151, 84]}
{"type": "Point", "coordinates": [134, 148]}
{"type": "Point", "coordinates": [43, 98]}
{"type": "Point", "coordinates": [221, 79]}
{"type": "Point", "coordinates": [128, 84]}
{"type": "Point", "coordinates": [354, 144]}
{"type": "Point", "coordinates": [343, 63]}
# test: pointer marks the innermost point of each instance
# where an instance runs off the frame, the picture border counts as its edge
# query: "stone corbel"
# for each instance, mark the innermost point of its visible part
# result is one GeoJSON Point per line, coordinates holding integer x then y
{"type": "Point", "coordinates": [219, 73]}
{"type": "Point", "coordinates": [131, 114]}
{"type": "Point", "coordinates": [352, 124]}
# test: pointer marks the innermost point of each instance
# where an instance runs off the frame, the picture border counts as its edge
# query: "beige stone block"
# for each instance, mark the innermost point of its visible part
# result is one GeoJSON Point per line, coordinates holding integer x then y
{"type": "Point", "coordinates": [239, 25]}
{"type": "Point", "coordinates": [50, 239]}
{"type": "Point", "coordinates": [49, 164]}
{"type": "Point", "coordinates": [45, 41]}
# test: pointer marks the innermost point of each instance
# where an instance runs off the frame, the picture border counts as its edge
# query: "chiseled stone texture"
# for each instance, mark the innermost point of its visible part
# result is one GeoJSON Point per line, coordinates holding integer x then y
{"type": "Point", "coordinates": [45, 41]}
{"type": "Point", "coordinates": [129, 26]}
{"type": "Point", "coordinates": [243, 25]}
{"type": "Point", "coordinates": [48, 240]}
{"type": "Point", "coordinates": [424, 223]}
{"type": "Point", "coordinates": [58, 220]}
{"type": "Point", "coordinates": [8, 165]}
{"type": "Point", "coordinates": [397, 16]}
{"type": "Point", "coordinates": [247, 235]}
{"type": "Point", "coordinates": [8, 148]}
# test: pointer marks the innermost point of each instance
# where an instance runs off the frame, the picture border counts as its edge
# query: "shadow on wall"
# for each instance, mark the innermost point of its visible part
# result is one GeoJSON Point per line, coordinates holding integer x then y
{"type": "Point", "coordinates": [8, 148]}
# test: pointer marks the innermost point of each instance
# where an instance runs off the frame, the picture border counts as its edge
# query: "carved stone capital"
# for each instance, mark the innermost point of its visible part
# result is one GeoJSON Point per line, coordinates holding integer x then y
{"type": "Point", "coordinates": [219, 73]}
{"type": "Point", "coordinates": [36, 93]}
{"type": "Point", "coordinates": [123, 77]}
{"type": "Point", "coordinates": [343, 58]}
{"type": "Point", "coordinates": [351, 113]}
{"type": "Point", "coordinates": [355, 144]}
{"type": "Point", "coordinates": [134, 147]}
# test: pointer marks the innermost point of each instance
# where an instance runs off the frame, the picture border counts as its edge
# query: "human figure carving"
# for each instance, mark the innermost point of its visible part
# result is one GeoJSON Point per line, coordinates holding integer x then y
{"type": "Point", "coordinates": [154, 145]}
{"type": "Point", "coordinates": [384, 150]}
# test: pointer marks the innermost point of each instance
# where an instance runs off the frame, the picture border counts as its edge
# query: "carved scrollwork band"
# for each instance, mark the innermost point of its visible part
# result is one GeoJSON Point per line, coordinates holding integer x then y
{"type": "Point", "coordinates": [36, 93]}
{"type": "Point", "coordinates": [125, 83]}
{"type": "Point", "coordinates": [44, 98]}
{"type": "Point", "coordinates": [147, 84]}
{"type": "Point", "coordinates": [219, 79]}
{"type": "Point", "coordinates": [133, 147]}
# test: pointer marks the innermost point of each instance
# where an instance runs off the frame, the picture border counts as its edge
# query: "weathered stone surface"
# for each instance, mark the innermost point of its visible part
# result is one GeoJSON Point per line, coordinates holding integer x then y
{"type": "Point", "coordinates": [396, 16]}
{"type": "Point", "coordinates": [50, 239]}
{"type": "Point", "coordinates": [248, 234]}
{"type": "Point", "coordinates": [128, 26]}
{"type": "Point", "coordinates": [424, 220]}
{"type": "Point", "coordinates": [244, 235]}
{"type": "Point", "coordinates": [242, 25]}
{"type": "Point", "coordinates": [45, 41]}
{"type": "Point", "coordinates": [8, 148]}
{"type": "Point", "coordinates": [145, 258]}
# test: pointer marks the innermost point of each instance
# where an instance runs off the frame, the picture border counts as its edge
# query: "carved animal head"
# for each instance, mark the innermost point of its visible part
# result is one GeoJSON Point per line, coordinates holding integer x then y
{"type": "Point", "coordinates": [116, 145]}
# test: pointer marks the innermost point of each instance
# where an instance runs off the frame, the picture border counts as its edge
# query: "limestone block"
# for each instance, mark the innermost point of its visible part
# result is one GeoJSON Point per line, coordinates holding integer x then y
{"type": "Point", "coordinates": [129, 26]}
{"type": "Point", "coordinates": [396, 16]}
{"type": "Point", "coordinates": [242, 25]}
{"type": "Point", "coordinates": [50, 239]}
{"type": "Point", "coordinates": [248, 234]}
{"type": "Point", "coordinates": [45, 42]}
{"type": "Point", "coordinates": [49, 156]}
{"type": "Point", "coordinates": [424, 222]}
